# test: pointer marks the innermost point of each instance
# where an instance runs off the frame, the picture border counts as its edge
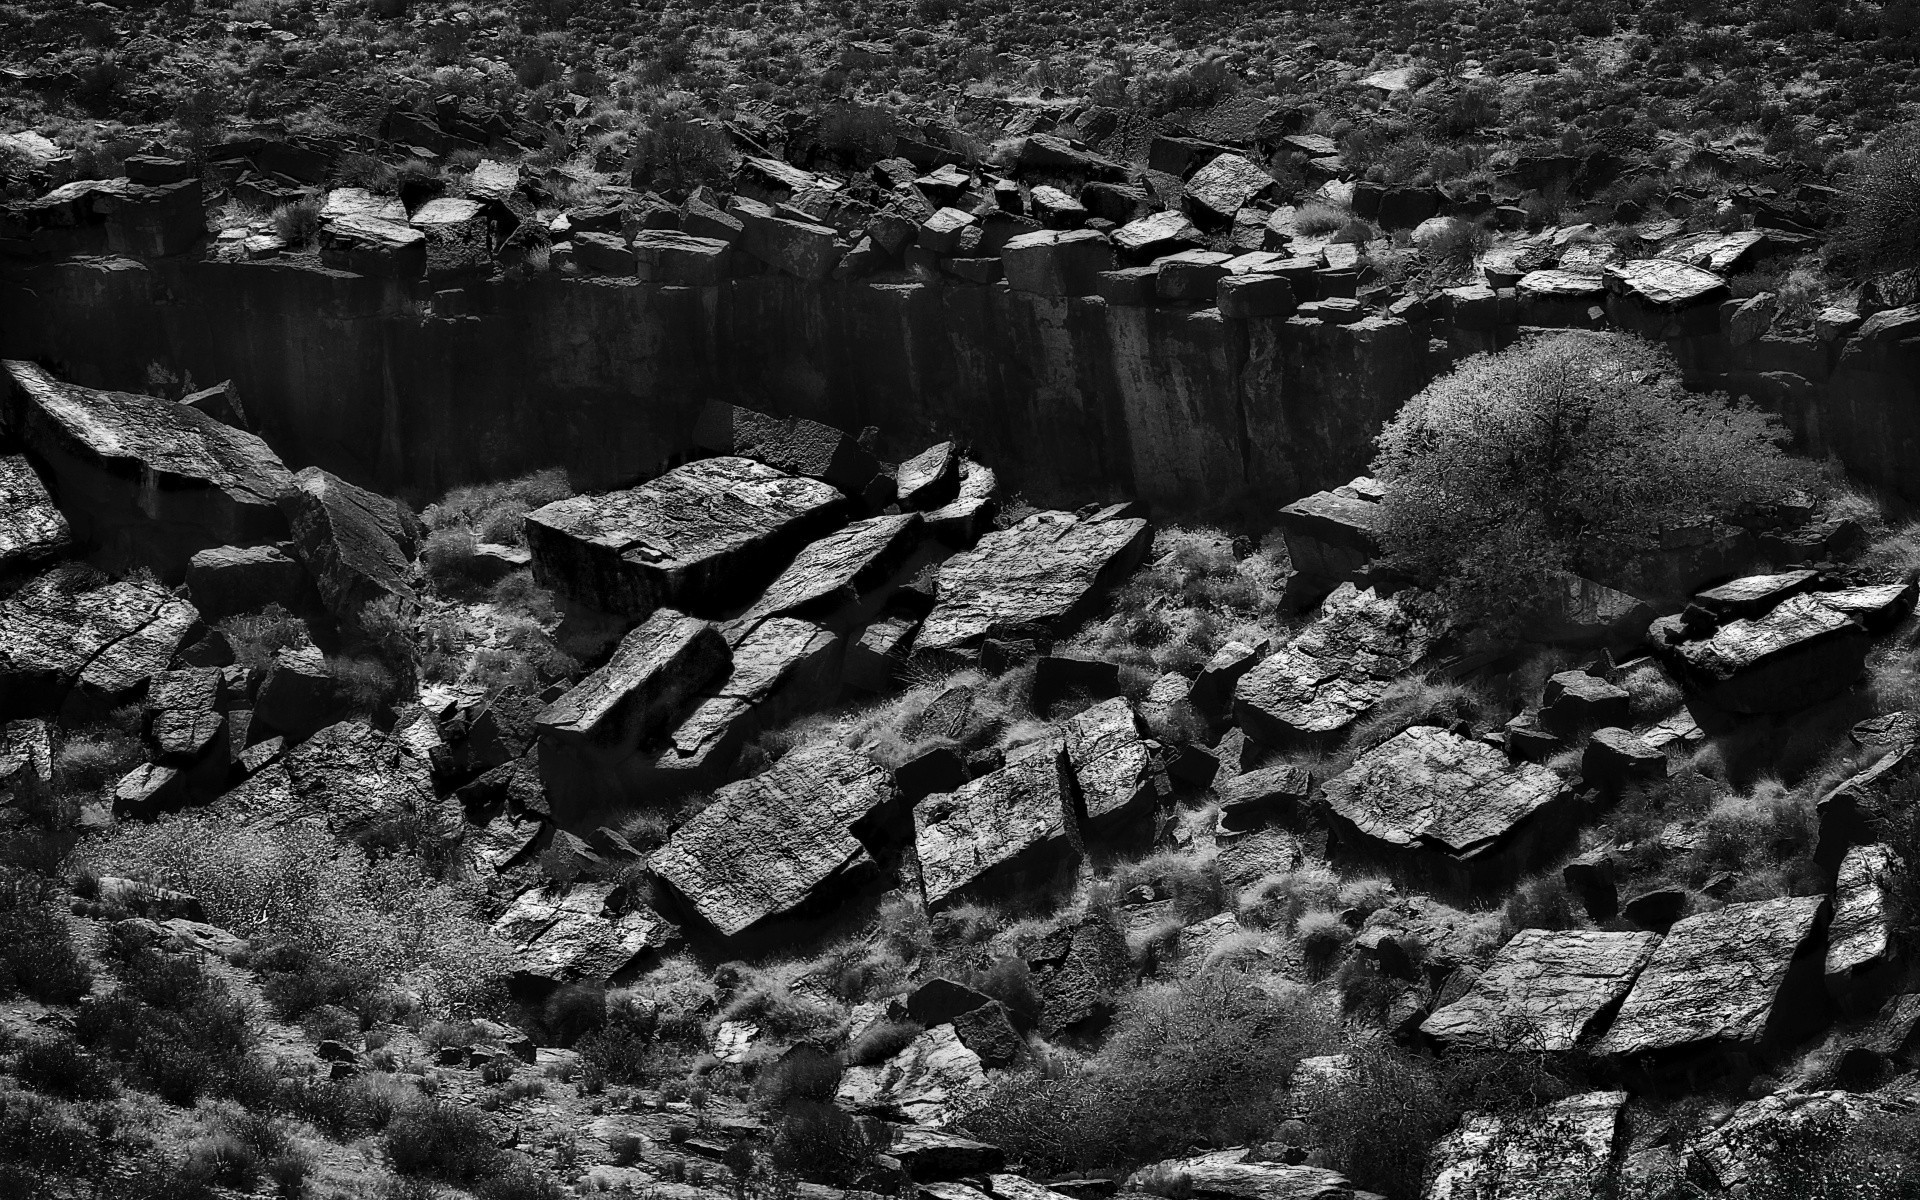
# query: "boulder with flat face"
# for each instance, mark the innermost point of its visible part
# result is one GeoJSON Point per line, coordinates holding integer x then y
{"type": "Point", "coordinates": [1235, 1175]}
{"type": "Point", "coordinates": [1736, 978]}
{"type": "Point", "coordinates": [1455, 806]}
{"type": "Point", "coordinates": [1797, 654]}
{"type": "Point", "coordinates": [1862, 952]}
{"type": "Point", "coordinates": [1332, 536]}
{"type": "Point", "coordinates": [702, 538]}
{"type": "Point", "coordinates": [675, 259]}
{"type": "Point", "coordinates": [374, 246]}
{"type": "Point", "coordinates": [1046, 569]}
{"type": "Point", "coordinates": [1007, 824]}
{"type": "Point", "coordinates": [350, 777]}
{"type": "Point", "coordinates": [578, 934]}
{"type": "Point", "coordinates": [1564, 1151]}
{"type": "Point", "coordinates": [144, 481]}
{"type": "Point", "coordinates": [31, 528]}
{"type": "Point", "coordinates": [929, 479]}
{"type": "Point", "coordinates": [458, 233]}
{"type": "Point", "coordinates": [780, 841]}
{"type": "Point", "coordinates": [1547, 990]}
{"type": "Point", "coordinates": [1158, 235]}
{"type": "Point", "coordinates": [1221, 188]}
{"type": "Point", "coordinates": [791, 444]}
{"type": "Point", "coordinates": [1114, 771]}
{"type": "Point", "coordinates": [1271, 793]}
{"type": "Point", "coordinates": [356, 545]}
{"type": "Point", "coordinates": [85, 649]}
{"type": "Point", "coordinates": [800, 248]}
{"type": "Point", "coordinates": [833, 574]}
{"type": "Point", "coordinates": [233, 579]}
{"type": "Point", "coordinates": [929, 1083]}
{"type": "Point", "coordinates": [1333, 673]}
{"type": "Point", "coordinates": [961, 521]}
{"type": "Point", "coordinates": [1051, 263]}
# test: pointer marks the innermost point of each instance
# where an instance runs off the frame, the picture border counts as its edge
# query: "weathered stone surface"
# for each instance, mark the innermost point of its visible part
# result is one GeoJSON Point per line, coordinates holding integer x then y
{"type": "Point", "coordinates": [1212, 690]}
{"type": "Point", "coordinates": [1228, 1175]}
{"type": "Point", "coordinates": [929, 479]}
{"type": "Point", "coordinates": [1243, 297]}
{"type": "Point", "coordinates": [1878, 607]}
{"type": "Point", "coordinates": [1575, 700]}
{"type": "Point", "coordinates": [144, 481]}
{"type": "Point", "coordinates": [1762, 1132]}
{"type": "Point", "coordinates": [1271, 793]}
{"type": "Point", "coordinates": [366, 245]}
{"type": "Point", "coordinates": [799, 248]}
{"type": "Point", "coordinates": [696, 538]}
{"type": "Point", "coordinates": [234, 579]}
{"type": "Point", "coordinates": [834, 573]}
{"type": "Point", "coordinates": [1114, 771]}
{"type": "Point", "coordinates": [357, 546]}
{"type": "Point", "coordinates": [1728, 978]}
{"type": "Point", "coordinates": [1664, 283]}
{"type": "Point", "coordinates": [349, 776]}
{"type": "Point", "coordinates": [940, 233]}
{"type": "Point", "coordinates": [1718, 252]}
{"type": "Point", "coordinates": [459, 236]}
{"type": "Point", "coordinates": [1045, 569]}
{"type": "Point", "coordinates": [1333, 673]}
{"type": "Point", "coordinates": [1048, 153]}
{"type": "Point", "coordinates": [1009, 822]}
{"type": "Point", "coordinates": [1052, 263]}
{"type": "Point", "coordinates": [791, 444]}
{"type": "Point", "coordinates": [931, 1154]}
{"type": "Point", "coordinates": [31, 528]}
{"type": "Point", "coordinates": [359, 202]}
{"type": "Point", "coordinates": [1433, 794]}
{"type": "Point", "coordinates": [1754, 595]}
{"type": "Point", "coordinates": [1219, 189]}
{"type": "Point", "coordinates": [90, 648]}
{"type": "Point", "coordinates": [1565, 1151]}
{"type": "Point", "coordinates": [1614, 756]}
{"type": "Point", "coordinates": [768, 845]}
{"type": "Point", "coordinates": [1331, 536]}
{"type": "Point", "coordinates": [675, 259]}
{"type": "Point", "coordinates": [579, 935]}
{"type": "Point", "coordinates": [928, 1083]}
{"type": "Point", "coordinates": [1581, 612]}
{"type": "Point", "coordinates": [989, 1032]}
{"type": "Point", "coordinates": [1860, 941]}
{"type": "Point", "coordinates": [1800, 653]}
{"type": "Point", "coordinates": [186, 716]}
{"type": "Point", "coordinates": [1190, 276]}
{"type": "Point", "coordinates": [961, 521]}
{"type": "Point", "coordinates": [1158, 235]}
{"type": "Point", "coordinates": [1079, 992]}
{"type": "Point", "coordinates": [1546, 990]}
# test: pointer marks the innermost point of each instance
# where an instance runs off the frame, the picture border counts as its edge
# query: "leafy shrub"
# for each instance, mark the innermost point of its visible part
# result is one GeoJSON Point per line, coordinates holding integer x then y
{"type": "Point", "coordinates": [882, 1040]}
{"type": "Point", "coordinates": [37, 955]}
{"type": "Point", "coordinates": [174, 1029]}
{"type": "Point", "coordinates": [1379, 1121]}
{"type": "Point", "coordinates": [90, 759]}
{"type": "Point", "coordinates": [257, 637]}
{"type": "Point", "coordinates": [1315, 219]}
{"type": "Point", "coordinates": [857, 133]}
{"type": "Point", "coordinates": [1567, 452]}
{"type": "Point", "coordinates": [818, 1140]}
{"type": "Point", "coordinates": [344, 1109]}
{"type": "Point", "coordinates": [1541, 903]}
{"type": "Point", "coordinates": [520, 1180]}
{"type": "Point", "coordinates": [804, 1074]}
{"type": "Point", "coordinates": [1882, 228]}
{"type": "Point", "coordinates": [679, 155]}
{"type": "Point", "coordinates": [445, 1141]}
{"type": "Point", "coordinates": [41, 1143]}
{"type": "Point", "coordinates": [57, 1067]}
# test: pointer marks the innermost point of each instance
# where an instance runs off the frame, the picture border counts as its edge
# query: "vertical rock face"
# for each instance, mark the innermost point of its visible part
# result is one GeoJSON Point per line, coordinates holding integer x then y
{"type": "Point", "coordinates": [144, 481]}
{"type": "Point", "coordinates": [1012, 822]}
{"type": "Point", "coordinates": [1731, 979]}
{"type": "Point", "coordinates": [31, 528]}
{"type": "Point", "coordinates": [771, 844]}
{"type": "Point", "coordinates": [1545, 990]}
{"type": "Point", "coordinates": [356, 545]}
{"type": "Point", "coordinates": [1333, 673]}
{"type": "Point", "coordinates": [85, 649]}
{"type": "Point", "coordinates": [1861, 950]}
{"type": "Point", "coordinates": [791, 444]}
{"type": "Point", "coordinates": [701, 537]}
{"type": "Point", "coordinates": [1564, 1151]}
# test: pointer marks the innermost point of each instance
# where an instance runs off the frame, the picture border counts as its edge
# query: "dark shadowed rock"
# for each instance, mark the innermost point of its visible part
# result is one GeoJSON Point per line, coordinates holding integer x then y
{"type": "Point", "coordinates": [962, 520]}
{"type": "Point", "coordinates": [88, 649]}
{"type": "Point", "coordinates": [929, 479]}
{"type": "Point", "coordinates": [1725, 979]}
{"type": "Point", "coordinates": [349, 776]}
{"type": "Point", "coordinates": [939, 1001]}
{"type": "Point", "coordinates": [1212, 690]}
{"type": "Point", "coordinates": [1574, 701]}
{"type": "Point", "coordinates": [1801, 652]}
{"type": "Point", "coordinates": [1051, 263]}
{"type": "Point", "coordinates": [834, 573]}
{"type": "Point", "coordinates": [31, 528]}
{"type": "Point", "coordinates": [1592, 878]}
{"type": "Point", "coordinates": [1862, 953]}
{"type": "Point", "coordinates": [26, 765]}
{"type": "Point", "coordinates": [1566, 1150]}
{"type": "Point", "coordinates": [1614, 756]}
{"type": "Point", "coordinates": [1271, 793]}
{"type": "Point", "coordinates": [989, 1032]}
{"type": "Point", "coordinates": [298, 696]}
{"type": "Point", "coordinates": [791, 444]}
{"type": "Point", "coordinates": [457, 232]}
{"type": "Point", "coordinates": [234, 579]}
{"type": "Point", "coordinates": [356, 545]}
{"type": "Point", "coordinates": [700, 538]}
{"type": "Point", "coordinates": [928, 1083]}
{"type": "Point", "coordinates": [1455, 805]}
{"type": "Point", "coordinates": [1080, 993]}
{"type": "Point", "coordinates": [1546, 990]}
{"type": "Point", "coordinates": [768, 845]}
{"type": "Point", "coordinates": [1332, 536]}
{"type": "Point", "coordinates": [931, 1154]}
{"type": "Point", "coordinates": [144, 481]}
{"type": "Point", "coordinates": [940, 769]}
{"type": "Point", "coordinates": [1011, 822]}
{"type": "Point", "coordinates": [579, 934]}
{"type": "Point", "coordinates": [1045, 569]}
{"type": "Point", "coordinates": [1333, 673]}
{"type": "Point", "coordinates": [1117, 779]}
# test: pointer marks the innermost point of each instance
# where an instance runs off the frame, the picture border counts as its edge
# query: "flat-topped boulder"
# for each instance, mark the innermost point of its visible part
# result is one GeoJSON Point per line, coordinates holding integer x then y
{"type": "Point", "coordinates": [1737, 978]}
{"type": "Point", "coordinates": [1224, 186]}
{"type": "Point", "coordinates": [1158, 235]}
{"type": "Point", "coordinates": [674, 259]}
{"type": "Point", "coordinates": [233, 579]}
{"type": "Point", "coordinates": [459, 235]}
{"type": "Point", "coordinates": [374, 246]}
{"type": "Point", "coordinates": [1007, 824]}
{"type": "Point", "coordinates": [791, 444]}
{"type": "Point", "coordinates": [578, 934]}
{"type": "Point", "coordinates": [1797, 654]}
{"type": "Point", "coordinates": [350, 777]}
{"type": "Point", "coordinates": [960, 521]}
{"type": "Point", "coordinates": [701, 538]}
{"type": "Point", "coordinates": [1451, 805]}
{"type": "Point", "coordinates": [1046, 570]}
{"type": "Point", "coordinates": [1333, 673]}
{"type": "Point", "coordinates": [31, 528]}
{"type": "Point", "coordinates": [1234, 1175]}
{"type": "Point", "coordinates": [144, 481]}
{"type": "Point", "coordinates": [85, 649]}
{"type": "Point", "coordinates": [1051, 263]}
{"type": "Point", "coordinates": [1665, 283]}
{"type": "Point", "coordinates": [1114, 772]}
{"type": "Point", "coordinates": [780, 841]}
{"type": "Point", "coordinates": [1754, 595]}
{"type": "Point", "coordinates": [1270, 793]}
{"type": "Point", "coordinates": [1575, 700]}
{"type": "Point", "coordinates": [1566, 1150]}
{"type": "Point", "coordinates": [1877, 606]}
{"type": "Point", "coordinates": [356, 545]}
{"type": "Point", "coordinates": [832, 575]}
{"type": "Point", "coordinates": [1546, 990]}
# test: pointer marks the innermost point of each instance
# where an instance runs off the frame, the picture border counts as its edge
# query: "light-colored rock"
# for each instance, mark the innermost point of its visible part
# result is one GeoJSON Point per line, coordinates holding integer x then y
{"type": "Point", "coordinates": [928, 1083]}
{"type": "Point", "coordinates": [1010, 821]}
{"type": "Point", "coordinates": [1565, 1151]}
{"type": "Point", "coordinates": [1333, 672]}
{"type": "Point", "coordinates": [1048, 568]}
{"type": "Point", "coordinates": [1547, 990]}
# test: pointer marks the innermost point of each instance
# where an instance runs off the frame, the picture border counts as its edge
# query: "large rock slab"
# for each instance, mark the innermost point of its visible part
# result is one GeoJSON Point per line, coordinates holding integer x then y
{"type": "Point", "coordinates": [1222, 187]}
{"type": "Point", "coordinates": [1797, 654]}
{"type": "Point", "coordinates": [357, 546]}
{"type": "Point", "coordinates": [350, 777]}
{"type": "Point", "coordinates": [1771, 1132]}
{"type": "Point", "coordinates": [928, 1083]}
{"type": "Point", "coordinates": [578, 934]}
{"type": "Point", "coordinates": [1546, 990]}
{"type": "Point", "coordinates": [702, 537]}
{"type": "Point", "coordinates": [1115, 776]}
{"type": "Point", "coordinates": [1862, 952]}
{"type": "Point", "coordinates": [590, 733]}
{"type": "Point", "coordinates": [1564, 1151]}
{"type": "Point", "coordinates": [235, 579]}
{"type": "Point", "coordinates": [144, 481]}
{"type": "Point", "coordinates": [1735, 978]}
{"type": "Point", "coordinates": [791, 444]}
{"type": "Point", "coordinates": [1051, 263]}
{"type": "Point", "coordinates": [775, 843]}
{"type": "Point", "coordinates": [85, 650]}
{"type": "Point", "coordinates": [1332, 536]}
{"type": "Point", "coordinates": [1333, 673]}
{"type": "Point", "coordinates": [833, 574]}
{"type": "Point", "coordinates": [1008, 823]}
{"type": "Point", "coordinates": [31, 528]}
{"type": "Point", "coordinates": [1451, 805]}
{"type": "Point", "coordinates": [1047, 569]}
{"type": "Point", "coordinates": [1229, 1175]}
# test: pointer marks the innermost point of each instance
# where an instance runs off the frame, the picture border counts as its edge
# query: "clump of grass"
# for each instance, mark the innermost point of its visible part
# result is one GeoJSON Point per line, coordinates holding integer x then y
{"type": "Point", "coordinates": [1278, 901]}
{"type": "Point", "coordinates": [257, 637]}
{"type": "Point", "coordinates": [1320, 218]}
{"type": "Point", "coordinates": [297, 223]}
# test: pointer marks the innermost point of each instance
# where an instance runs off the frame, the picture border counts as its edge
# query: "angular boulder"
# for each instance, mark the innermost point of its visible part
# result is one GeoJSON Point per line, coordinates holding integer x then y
{"type": "Point", "coordinates": [1235, 1175]}
{"type": "Point", "coordinates": [356, 545]}
{"type": "Point", "coordinates": [1047, 569]}
{"type": "Point", "coordinates": [144, 481]}
{"type": "Point", "coordinates": [458, 234]}
{"type": "Point", "coordinates": [350, 777]}
{"type": "Point", "coordinates": [85, 651]}
{"type": "Point", "coordinates": [1449, 805]}
{"type": "Point", "coordinates": [1546, 990]}
{"type": "Point", "coordinates": [674, 259]}
{"type": "Point", "coordinates": [578, 934]}
{"type": "Point", "coordinates": [929, 479]}
{"type": "Point", "coordinates": [799, 248]}
{"type": "Point", "coordinates": [234, 579]}
{"type": "Point", "coordinates": [1271, 793]}
{"type": "Point", "coordinates": [31, 528]}
{"type": "Point", "coordinates": [791, 444]}
{"type": "Point", "coordinates": [374, 246]}
{"type": "Point", "coordinates": [1158, 235]}
{"type": "Point", "coordinates": [1566, 1150]}
{"type": "Point", "coordinates": [1221, 188]}
{"type": "Point", "coordinates": [778, 842]}
{"type": "Point", "coordinates": [1115, 776]}
{"type": "Point", "coordinates": [1007, 824]}
{"type": "Point", "coordinates": [1333, 673]}
{"type": "Point", "coordinates": [929, 1083]}
{"type": "Point", "coordinates": [832, 575]}
{"type": "Point", "coordinates": [1863, 953]}
{"type": "Point", "coordinates": [1051, 263]}
{"type": "Point", "coordinates": [1797, 654]}
{"type": "Point", "coordinates": [701, 537]}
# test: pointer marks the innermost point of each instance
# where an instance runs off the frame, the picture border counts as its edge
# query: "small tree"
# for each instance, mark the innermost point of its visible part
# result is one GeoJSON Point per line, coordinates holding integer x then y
{"type": "Point", "coordinates": [1566, 452]}
{"type": "Point", "coordinates": [1882, 231]}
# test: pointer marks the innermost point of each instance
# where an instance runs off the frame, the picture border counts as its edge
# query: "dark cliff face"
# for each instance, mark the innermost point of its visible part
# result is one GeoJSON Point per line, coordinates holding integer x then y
{"type": "Point", "coordinates": [419, 390]}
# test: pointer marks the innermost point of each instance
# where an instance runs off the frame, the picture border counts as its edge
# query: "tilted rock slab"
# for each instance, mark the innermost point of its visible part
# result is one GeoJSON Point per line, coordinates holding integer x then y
{"type": "Point", "coordinates": [1046, 569]}
{"type": "Point", "coordinates": [1547, 989]}
{"type": "Point", "coordinates": [791, 444]}
{"type": "Point", "coordinates": [1860, 940]}
{"type": "Point", "coordinates": [145, 481]}
{"type": "Point", "coordinates": [1228, 1174]}
{"type": "Point", "coordinates": [358, 546]}
{"type": "Point", "coordinates": [578, 935]}
{"type": "Point", "coordinates": [1730, 978]}
{"type": "Point", "coordinates": [1434, 795]}
{"type": "Point", "coordinates": [349, 776]}
{"type": "Point", "coordinates": [832, 575]}
{"type": "Point", "coordinates": [1752, 1140]}
{"type": "Point", "coordinates": [1115, 776]}
{"type": "Point", "coordinates": [700, 538]}
{"type": "Point", "coordinates": [768, 845]}
{"type": "Point", "coordinates": [1801, 652]}
{"type": "Point", "coordinates": [928, 1083]}
{"type": "Point", "coordinates": [90, 648]}
{"type": "Point", "coordinates": [1316, 686]}
{"type": "Point", "coordinates": [31, 528]}
{"type": "Point", "coordinates": [1564, 1151]}
{"type": "Point", "coordinates": [1011, 821]}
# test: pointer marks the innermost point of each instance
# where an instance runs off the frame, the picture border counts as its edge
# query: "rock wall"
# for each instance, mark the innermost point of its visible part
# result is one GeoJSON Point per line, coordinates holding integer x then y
{"type": "Point", "coordinates": [402, 387]}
